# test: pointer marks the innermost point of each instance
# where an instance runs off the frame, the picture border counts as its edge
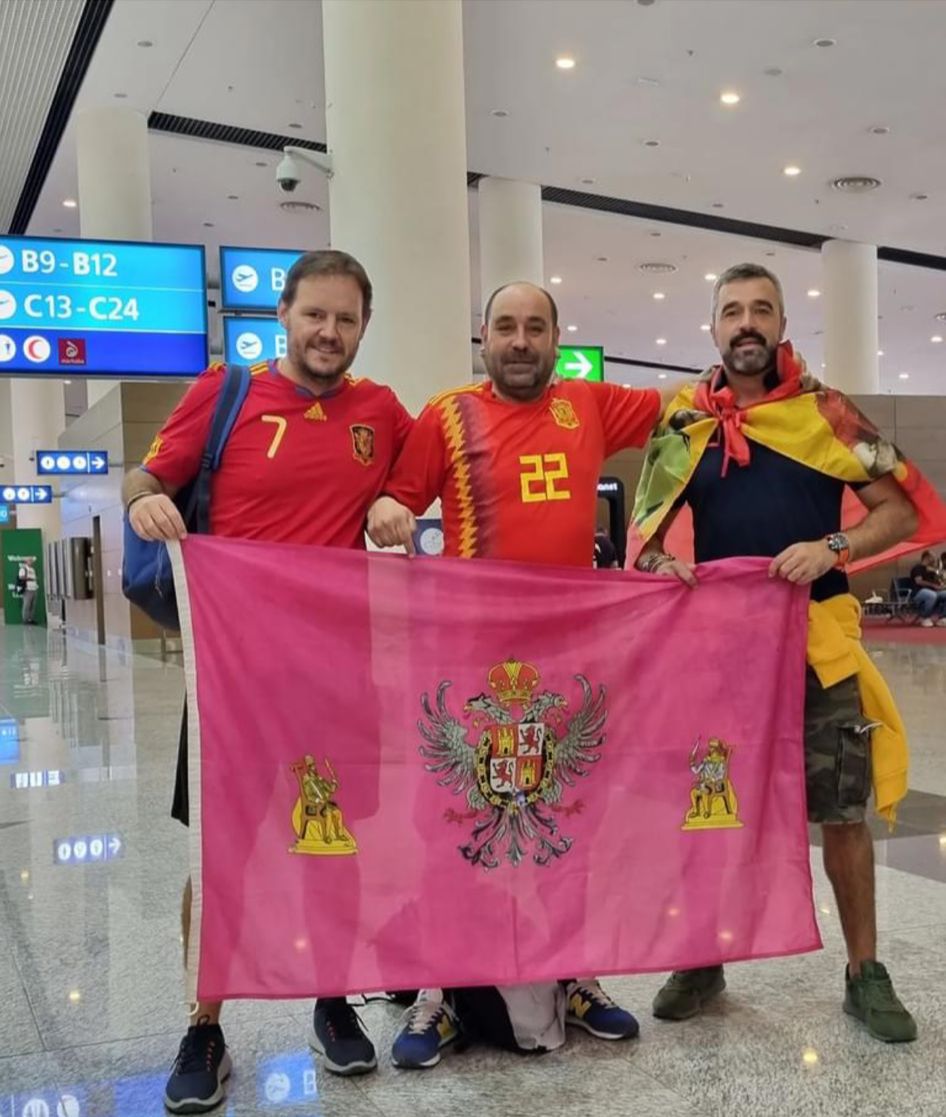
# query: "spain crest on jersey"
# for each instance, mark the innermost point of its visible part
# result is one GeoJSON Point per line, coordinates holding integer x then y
{"type": "Point", "coordinates": [528, 751]}
{"type": "Point", "coordinates": [362, 443]}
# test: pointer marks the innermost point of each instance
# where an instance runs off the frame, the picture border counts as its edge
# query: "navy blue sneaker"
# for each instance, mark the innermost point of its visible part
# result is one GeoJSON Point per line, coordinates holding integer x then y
{"type": "Point", "coordinates": [340, 1038]}
{"type": "Point", "coordinates": [425, 1028]}
{"type": "Point", "coordinates": [200, 1070]}
{"type": "Point", "coordinates": [589, 1007]}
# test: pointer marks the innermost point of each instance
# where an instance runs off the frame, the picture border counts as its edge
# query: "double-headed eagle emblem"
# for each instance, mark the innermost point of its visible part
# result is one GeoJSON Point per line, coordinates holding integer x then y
{"type": "Point", "coordinates": [525, 756]}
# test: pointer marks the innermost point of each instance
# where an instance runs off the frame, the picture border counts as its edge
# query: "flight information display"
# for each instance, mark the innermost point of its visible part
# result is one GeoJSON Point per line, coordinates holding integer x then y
{"type": "Point", "coordinates": [252, 279]}
{"type": "Point", "coordinates": [101, 308]}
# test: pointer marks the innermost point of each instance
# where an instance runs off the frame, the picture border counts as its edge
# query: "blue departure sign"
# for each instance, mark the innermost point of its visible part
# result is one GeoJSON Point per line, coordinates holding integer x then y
{"type": "Point", "coordinates": [247, 340]}
{"type": "Point", "coordinates": [252, 279]}
{"type": "Point", "coordinates": [71, 461]}
{"type": "Point", "coordinates": [101, 308]}
{"type": "Point", "coordinates": [27, 494]}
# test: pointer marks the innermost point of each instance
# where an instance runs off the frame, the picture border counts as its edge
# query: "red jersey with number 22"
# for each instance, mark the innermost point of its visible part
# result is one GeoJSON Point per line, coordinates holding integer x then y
{"type": "Point", "coordinates": [519, 480]}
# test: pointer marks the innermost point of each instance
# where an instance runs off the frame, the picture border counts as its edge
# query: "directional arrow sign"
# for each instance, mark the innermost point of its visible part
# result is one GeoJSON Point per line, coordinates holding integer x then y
{"type": "Point", "coordinates": [71, 461]}
{"type": "Point", "coordinates": [584, 362]}
{"type": "Point", "coordinates": [27, 494]}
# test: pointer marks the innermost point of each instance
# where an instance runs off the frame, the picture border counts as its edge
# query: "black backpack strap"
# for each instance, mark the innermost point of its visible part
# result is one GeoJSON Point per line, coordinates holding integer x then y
{"type": "Point", "coordinates": [233, 392]}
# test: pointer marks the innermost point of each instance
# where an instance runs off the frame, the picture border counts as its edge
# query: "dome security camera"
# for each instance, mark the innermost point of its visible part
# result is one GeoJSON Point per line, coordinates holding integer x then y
{"type": "Point", "coordinates": [288, 175]}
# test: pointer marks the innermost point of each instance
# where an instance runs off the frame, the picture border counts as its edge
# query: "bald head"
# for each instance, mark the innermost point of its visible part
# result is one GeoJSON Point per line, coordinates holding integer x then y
{"type": "Point", "coordinates": [520, 340]}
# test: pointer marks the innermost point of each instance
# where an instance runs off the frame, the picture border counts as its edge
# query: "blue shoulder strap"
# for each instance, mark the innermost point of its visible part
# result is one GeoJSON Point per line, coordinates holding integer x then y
{"type": "Point", "coordinates": [233, 392]}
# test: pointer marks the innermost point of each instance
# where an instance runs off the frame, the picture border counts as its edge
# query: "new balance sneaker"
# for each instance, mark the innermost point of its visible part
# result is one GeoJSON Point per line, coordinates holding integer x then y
{"type": "Point", "coordinates": [685, 992]}
{"type": "Point", "coordinates": [425, 1028]}
{"type": "Point", "coordinates": [200, 1070]}
{"type": "Point", "coordinates": [869, 997]}
{"type": "Point", "coordinates": [340, 1038]}
{"type": "Point", "coordinates": [589, 1007]}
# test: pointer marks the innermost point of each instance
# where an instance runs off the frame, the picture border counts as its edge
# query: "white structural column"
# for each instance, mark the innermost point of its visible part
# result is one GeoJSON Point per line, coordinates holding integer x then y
{"type": "Point", "coordinates": [396, 131]}
{"type": "Point", "coordinates": [114, 170]}
{"type": "Point", "coordinates": [850, 316]}
{"type": "Point", "coordinates": [510, 233]}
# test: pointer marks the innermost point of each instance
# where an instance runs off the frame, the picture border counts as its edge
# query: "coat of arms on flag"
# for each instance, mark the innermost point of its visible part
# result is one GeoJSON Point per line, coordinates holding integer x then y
{"type": "Point", "coordinates": [527, 755]}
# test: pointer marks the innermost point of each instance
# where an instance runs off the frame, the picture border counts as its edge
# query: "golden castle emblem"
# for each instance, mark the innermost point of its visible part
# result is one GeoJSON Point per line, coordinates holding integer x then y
{"type": "Point", "coordinates": [316, 817]}
{"type": "Point", "coordinates": [713, 803]}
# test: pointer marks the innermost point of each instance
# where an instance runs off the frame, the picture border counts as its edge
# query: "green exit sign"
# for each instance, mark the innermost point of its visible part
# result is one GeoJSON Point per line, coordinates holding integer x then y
{"type": "Point", "coordinates": [580, 362]}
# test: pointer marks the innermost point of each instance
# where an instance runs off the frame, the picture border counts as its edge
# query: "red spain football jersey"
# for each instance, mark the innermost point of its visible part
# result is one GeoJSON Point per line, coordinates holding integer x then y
{"type": "Point", "coordinates": [297, 468]}
{"type": "Point", "coordinates": [519, 480]}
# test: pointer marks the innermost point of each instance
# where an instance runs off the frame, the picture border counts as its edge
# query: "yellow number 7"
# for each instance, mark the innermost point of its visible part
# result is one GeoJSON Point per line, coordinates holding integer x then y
{"type": "Point", "coordinates": [277, 437]}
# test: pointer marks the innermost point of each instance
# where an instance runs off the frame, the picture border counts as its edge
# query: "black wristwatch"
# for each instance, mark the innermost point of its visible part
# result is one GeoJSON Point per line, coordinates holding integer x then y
{"type": "Point", "coordinates": [839, 543]}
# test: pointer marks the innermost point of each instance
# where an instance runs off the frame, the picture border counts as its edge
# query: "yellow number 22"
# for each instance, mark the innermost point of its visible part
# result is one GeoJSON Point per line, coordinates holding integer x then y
{"type": "Point", "coordinates": [537, 482]}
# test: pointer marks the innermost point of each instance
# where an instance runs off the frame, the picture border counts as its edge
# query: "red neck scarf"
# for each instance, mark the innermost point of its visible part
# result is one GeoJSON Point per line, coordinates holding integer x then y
{"type": "Point", "coordinates": [716, 398]}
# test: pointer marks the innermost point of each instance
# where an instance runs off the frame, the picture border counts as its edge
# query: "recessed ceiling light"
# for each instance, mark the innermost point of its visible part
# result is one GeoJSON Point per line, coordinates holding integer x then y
{"type": "Point", "coordinates": [651, 143]}
{"type": "Point", "coordinates": [659, 295]}
{"type": "Point", "coordinates": [295, 124]}
{"type": "Point", "coordinates": [904, 376]}
{"type": "Point", "coordinates": [555, 279]}
{"type": "Point", "coordinates": [601, 259]}
{"type": "Point", "coordinates": [565, 62]}
{"type": "Point", "coordinates": [57, 229]}
{"type": "Point", "coordinates": [233, 197]}
{"type": "Point", "coordinates": [145, 43]}
{"type": "Point", "coordinates": [791, 170]}
{"type": "Point", "coordinates": [710, 277]}
{"type": "Point", "coordinates": [718, 205]}
{"type": "Point", "coordinates": [660, 341]}
{"type": "Point", "coordinates": [67, 381]}
{"type": "Point", "coordinates": [655, 233]}
{"type": "Point", "coordinates": [260, 163]}
{"type": "Point", "coordinates": [587, 181]}
{"type": "Point", "coordinates": [936, 339]}
{"type": "Point", "coordinates": [919, 197]}
{"type": "Point", "coordinates": [908, 307]}
{"type": "Point", "coordinates": [75, 996]}
{"type": "Point", "coordinates": [208, 224]}
{"type": "Point", "coordinates": [730, 97]}
{"type": "Point", "coordinates": [878, 130]}
{"type": "Point", "coordinates": [661, 376]}
{"type": "Point", "coordinates": [705, 327]}
{"type": "Point", "coordinates": [880, 352]}
{"type": "Point", "coordinates": [813, 293]}
{"type": "Point", "coordinates": [941, 317]}
{"type": "Point", "coordinates": [773, 71]}
{"type": "Point", "coordinates": [572, 329]}
{"type": "Point", "coordinates": [120, 96]}
{"type": "Point", "coordinates": [656, 267]}
{"type": "Point", "coordinates": [499, 112]}
{"type": "Point", "coordinates": [297, 206]}
{"type": "Point", "coordinates": [825, 42]}
{"type": "Point", "coordinates": [69, 203]}
{"type": "Point", "coordinates": [856, 184]}
{"type": "Point", "coordinates": [648, 81]}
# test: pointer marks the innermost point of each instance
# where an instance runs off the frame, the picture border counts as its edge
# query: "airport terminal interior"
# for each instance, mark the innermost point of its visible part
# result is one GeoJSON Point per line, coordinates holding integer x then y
{"type": "Point", "coordinates": [165, 162]}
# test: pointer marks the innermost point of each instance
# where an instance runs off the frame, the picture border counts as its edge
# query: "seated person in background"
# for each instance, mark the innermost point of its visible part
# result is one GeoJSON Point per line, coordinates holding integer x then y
{"type": "Point", "coordinates": [929, 597]}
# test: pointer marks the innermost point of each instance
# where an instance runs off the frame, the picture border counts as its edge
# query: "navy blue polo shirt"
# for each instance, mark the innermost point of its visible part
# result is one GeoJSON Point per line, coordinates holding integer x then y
{"type": "Point", "coordinates": [762, 508]}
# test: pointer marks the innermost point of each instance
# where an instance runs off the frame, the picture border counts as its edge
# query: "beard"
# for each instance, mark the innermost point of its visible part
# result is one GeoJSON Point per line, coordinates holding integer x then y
{"type": "Point", "coordinates": [757, 361]}
{"type": "Point", "coordinates": [524, 379]}
{"type": "Point", "coordinates": [322, 375]}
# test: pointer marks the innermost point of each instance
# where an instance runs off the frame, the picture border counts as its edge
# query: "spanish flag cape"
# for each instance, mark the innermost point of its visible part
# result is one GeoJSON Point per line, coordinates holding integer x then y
{"type": "Point", "coordinates": [800, 418]}
{"type": "Point", "coordinates": [820, 428]}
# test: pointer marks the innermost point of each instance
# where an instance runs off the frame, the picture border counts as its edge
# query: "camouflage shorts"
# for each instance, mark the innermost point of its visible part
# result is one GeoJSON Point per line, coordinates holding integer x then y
{"type": "Point", "coordinates": [837, 751]}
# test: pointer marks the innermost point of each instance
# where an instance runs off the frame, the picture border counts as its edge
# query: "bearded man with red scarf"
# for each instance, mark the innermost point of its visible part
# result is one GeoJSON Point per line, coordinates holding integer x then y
{"type": "Point", "coordinates": [762, 454]}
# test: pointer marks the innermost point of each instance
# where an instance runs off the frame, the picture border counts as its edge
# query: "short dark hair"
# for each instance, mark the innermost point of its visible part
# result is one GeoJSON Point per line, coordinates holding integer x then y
{"type": "Point", "coordinates": [515, 283]}
{"type": "Point", "coordinates": [327, 261]}
{"type": "Point", "coordinates": [747, 271]}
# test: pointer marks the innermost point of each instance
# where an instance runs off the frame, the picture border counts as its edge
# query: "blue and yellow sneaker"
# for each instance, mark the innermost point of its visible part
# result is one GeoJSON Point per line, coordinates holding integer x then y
{"type": "Point", "coordinates": [589, 1007]}
{"type": "Point", "coordinates": [426, 1027]}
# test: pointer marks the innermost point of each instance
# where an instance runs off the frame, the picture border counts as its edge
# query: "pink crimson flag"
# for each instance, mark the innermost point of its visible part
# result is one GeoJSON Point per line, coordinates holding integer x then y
{"type": "Point", "coordinates": [436, 772]}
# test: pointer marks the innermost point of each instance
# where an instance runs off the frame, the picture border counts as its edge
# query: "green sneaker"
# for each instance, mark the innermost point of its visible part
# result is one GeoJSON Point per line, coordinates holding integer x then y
{"type": "Point", "coordinates": [870, 998]}
{"type": "Point", "coordinates": [686, 991]}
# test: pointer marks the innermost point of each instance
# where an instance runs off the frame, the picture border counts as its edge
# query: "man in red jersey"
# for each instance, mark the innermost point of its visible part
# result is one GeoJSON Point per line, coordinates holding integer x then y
{"type": "Point", "coordinates": [309, 452]}
{"type": "Point", "coordinates": [515, 462]}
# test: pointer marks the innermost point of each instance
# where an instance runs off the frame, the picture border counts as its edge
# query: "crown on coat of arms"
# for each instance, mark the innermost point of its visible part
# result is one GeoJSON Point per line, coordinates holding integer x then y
{"type": "Point", "coordinates": [513, 681]}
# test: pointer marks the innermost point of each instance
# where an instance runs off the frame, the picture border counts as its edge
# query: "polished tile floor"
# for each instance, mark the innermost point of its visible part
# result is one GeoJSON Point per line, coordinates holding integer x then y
{"type": "Point", "coordinates": [91, 1004]}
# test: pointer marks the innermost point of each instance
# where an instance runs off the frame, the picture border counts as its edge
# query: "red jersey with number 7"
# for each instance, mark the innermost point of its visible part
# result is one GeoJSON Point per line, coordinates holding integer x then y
{"type": "Point", "coordinates": [297, 468]}
{"type": "Point", "coordinates": [519, 480]}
